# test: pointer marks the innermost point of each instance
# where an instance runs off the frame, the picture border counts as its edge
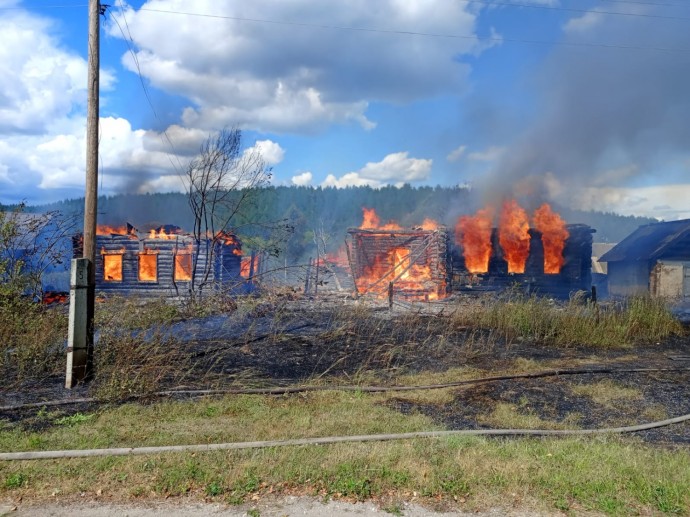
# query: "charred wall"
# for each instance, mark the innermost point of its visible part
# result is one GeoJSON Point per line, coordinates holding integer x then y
{"type": "Point", "coordinates": [127, 264]}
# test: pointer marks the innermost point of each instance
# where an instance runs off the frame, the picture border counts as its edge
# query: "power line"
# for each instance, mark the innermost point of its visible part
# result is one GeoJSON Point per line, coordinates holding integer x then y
{"type": "Point", "coordinates": [573, 10]}
{"type": "Point", "coordinates": [414, 33]}
{"type": "Point", "coordinates": [644, 3]}
{"type": "Point", "coordinates": [143, 84]}
{"type": "Point", "coordinates": [487, 3]}
{"type": "Point", "coordinates": [25, 7]}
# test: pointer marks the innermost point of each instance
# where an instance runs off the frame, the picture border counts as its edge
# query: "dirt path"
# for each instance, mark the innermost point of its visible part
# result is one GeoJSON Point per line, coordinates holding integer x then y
{"type": "Point", "coordinates": [285, 507]}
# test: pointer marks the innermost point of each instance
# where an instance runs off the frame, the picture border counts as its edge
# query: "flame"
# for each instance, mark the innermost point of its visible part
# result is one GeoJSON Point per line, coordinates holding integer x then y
{"type": "Point", "coordinates": [513, 235]}
{"type": "Point", "coordinates": [112, 264]}
{"type": "Point", "coordinates": [148, 266]}
{"type": "Point", "coordinates": [553, 235]}
{"type": "Point", "coordinates": [430, 224]}
{"type": "Point", "coordinates": [104, 229]}
{"type": "Point", "coordinates": [371, 221]}
{"type": "Point", "coordinates": [227, 238]}
{"type": "Point", "coordinates": [161, 233]}
{"type": "Point", "coordinates": [246, 266]}
{"type": "Point", "coordinates": [339, 258]}
{"type": "Point", "coordinates": [414, 279]}
{"type": "Point", "coordinates": [473, 233]}
{"type": "Point", "coordinates": [183, 266]}
{"type": "Point", "coordinates": [50, 297]}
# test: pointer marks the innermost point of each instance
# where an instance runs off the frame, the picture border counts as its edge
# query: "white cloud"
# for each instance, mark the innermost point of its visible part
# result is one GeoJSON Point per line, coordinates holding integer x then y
{"type": "Point", "coordinates": [283, 77]}
{"type": "Point", "coordinates": [456, 153]}
{"type": "Point", "coordinates": [395, 168]}
{"type": "Point", "coordinates": [490, 154]}
{"type": "Point", "coordinates": [398, 167]}
{"type": "Point", "coordinates": [351, 179]}
{"type": "Point", "coordinates": [667, 202]}
{"type": "Point", "coordinates": [41, 84]}
{"type": "Point", "coordinates": [303, 179]}
{"type": "Point", "coordinates": [271, 153]}
{"type": "Point", "coordinates": [583, 23]}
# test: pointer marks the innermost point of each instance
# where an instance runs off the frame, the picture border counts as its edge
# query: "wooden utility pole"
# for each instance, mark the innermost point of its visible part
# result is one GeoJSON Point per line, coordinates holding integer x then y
{"type": "Point", "coordinates": [80, 341]}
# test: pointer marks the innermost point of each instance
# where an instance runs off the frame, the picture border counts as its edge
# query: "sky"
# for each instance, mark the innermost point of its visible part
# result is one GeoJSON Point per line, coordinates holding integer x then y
{"type": "Point", "coordinates": [585, 103]}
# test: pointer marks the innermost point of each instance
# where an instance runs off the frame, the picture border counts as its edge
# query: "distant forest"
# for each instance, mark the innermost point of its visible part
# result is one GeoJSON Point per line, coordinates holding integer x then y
{"type": "Point", "coordinates": [329, 211]}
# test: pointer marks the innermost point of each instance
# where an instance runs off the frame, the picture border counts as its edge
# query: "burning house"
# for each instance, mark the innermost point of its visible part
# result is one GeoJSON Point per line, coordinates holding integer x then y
{"type": "Point", "coordinates": [542, 253]}
{"type": "Point", "coordinates": [163, 261]}
{"type": "Point", "coordinates": [654, 259]}
{"type": "Point", "coordinates": [388, 260]}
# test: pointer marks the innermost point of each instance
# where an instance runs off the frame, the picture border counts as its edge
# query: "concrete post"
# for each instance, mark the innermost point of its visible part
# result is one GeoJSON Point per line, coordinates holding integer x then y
{"type": "Point", "coordinates": [79, 347]}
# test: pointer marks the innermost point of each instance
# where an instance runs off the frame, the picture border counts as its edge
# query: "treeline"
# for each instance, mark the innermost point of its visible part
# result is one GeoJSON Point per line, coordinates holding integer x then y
{"type": "Point", "coordinates": [327, 211]}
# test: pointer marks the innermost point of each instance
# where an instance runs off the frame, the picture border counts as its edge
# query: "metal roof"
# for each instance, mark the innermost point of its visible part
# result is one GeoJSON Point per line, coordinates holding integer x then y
{"type": "Point", "coordinates": [650, 241]}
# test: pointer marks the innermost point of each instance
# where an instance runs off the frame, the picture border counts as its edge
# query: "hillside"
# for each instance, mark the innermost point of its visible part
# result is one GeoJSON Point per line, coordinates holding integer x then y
{"type": "Point", "coordinates": [307, 209]}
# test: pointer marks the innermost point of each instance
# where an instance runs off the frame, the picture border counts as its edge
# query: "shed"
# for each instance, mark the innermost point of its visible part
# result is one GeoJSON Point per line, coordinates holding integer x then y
{"type": "Point", "coordinates": [654, 259]}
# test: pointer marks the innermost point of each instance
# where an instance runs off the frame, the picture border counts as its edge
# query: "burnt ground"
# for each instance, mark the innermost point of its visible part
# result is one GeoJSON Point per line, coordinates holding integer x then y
{"type": "Point", "coordinates": [334, 342]}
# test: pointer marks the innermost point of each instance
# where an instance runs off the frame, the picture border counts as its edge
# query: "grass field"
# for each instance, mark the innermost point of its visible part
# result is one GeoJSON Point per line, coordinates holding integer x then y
{"type": "Point", "coordinates": [609, 474]}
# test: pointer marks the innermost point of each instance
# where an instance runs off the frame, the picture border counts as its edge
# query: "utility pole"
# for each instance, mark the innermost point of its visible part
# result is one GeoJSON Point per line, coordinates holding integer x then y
{"type": "Point", "coordinates": [80, 339]}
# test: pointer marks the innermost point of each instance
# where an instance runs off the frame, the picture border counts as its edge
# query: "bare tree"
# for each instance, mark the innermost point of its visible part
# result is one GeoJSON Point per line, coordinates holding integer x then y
{"type": "Point", "coordinates": [31, 244]}
{"type": "Point", "coordinates": [220, 182]}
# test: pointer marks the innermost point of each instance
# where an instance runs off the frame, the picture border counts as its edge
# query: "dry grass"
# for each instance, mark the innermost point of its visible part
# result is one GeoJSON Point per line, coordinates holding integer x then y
{"type": "Point", "coordinates": [637, 320]}
{"type": "Point", "coordinates": [606, 392]}
{"type": "Point", "coordinates": [520, 416]}
{"type": "Point", "coordinates": [32, 338]}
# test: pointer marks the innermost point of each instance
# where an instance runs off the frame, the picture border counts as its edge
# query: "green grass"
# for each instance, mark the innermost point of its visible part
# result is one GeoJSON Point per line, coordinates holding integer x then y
{"type": "Point", "coordinates": [610, 474]}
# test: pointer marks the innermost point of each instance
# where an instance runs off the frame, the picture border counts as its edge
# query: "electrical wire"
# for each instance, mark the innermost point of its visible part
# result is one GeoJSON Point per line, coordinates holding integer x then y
{"type": "Point", "coordinates": [143, 86]}
{"type": "Point", "coordinates": [574, 10]}
{"type": "Point", "coordinates": [421, 34]}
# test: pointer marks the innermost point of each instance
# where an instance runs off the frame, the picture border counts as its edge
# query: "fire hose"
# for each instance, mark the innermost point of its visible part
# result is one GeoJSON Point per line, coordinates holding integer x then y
{"type": "Point", "coordinates": [130, 451]}
{"type": "Point", "coordinates": [135, 451]}
{"type": "Point", "coordinates": [364, 389]}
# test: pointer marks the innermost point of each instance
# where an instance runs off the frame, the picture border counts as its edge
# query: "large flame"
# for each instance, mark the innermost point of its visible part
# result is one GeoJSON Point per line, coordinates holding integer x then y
{"type": "Point", "coordinates": [148, 266]}
{"type": "Point", "coordinates": [371, 221]}
{"type": "Point", "coordinates": [183, 266]}
{"type": "Point", "coordinates": [553, 235]}
{"type": "Point", "coordinates": [474, 234]}
{"type": "Point", "coordinates": [112, 264]}
{"type": "Point", "coordinates": [396, 266]}
{"type": "Point", "coordinates": [513, 235]}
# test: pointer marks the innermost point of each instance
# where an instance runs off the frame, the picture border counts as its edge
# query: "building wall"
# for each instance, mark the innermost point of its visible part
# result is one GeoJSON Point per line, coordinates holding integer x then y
{"type": "Point", "coordinates": [670, 279]}
{"type": "Point", "coordinates": [225, 271]}
{"type": "Point", "coordinates": [428, 248]}
{"type": "Point", "coordinates": [628, 278]}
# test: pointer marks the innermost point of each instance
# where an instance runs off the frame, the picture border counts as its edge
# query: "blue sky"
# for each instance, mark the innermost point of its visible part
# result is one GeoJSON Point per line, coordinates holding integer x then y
{"type": "Point", "coordinates": [580, 102]}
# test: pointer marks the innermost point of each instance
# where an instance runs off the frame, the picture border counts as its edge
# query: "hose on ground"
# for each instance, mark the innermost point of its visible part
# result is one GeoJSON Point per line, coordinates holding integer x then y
{"type": "Point", "coordinates": [134, 451]}
{"type": "Point", "coordinates": [364, 389]}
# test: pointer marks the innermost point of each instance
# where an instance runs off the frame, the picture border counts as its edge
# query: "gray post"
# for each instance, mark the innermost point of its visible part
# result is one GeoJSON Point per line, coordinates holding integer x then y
{"type": "Point", "coordinates": [79, 349]}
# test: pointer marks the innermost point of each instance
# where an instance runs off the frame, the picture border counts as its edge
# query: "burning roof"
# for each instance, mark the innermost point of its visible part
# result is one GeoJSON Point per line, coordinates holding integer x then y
{"type": "Point", "coordinates": [162, 260]}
